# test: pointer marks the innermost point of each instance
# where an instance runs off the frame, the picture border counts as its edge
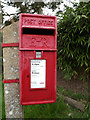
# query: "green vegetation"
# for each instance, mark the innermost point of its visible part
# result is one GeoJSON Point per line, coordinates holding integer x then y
{"type": "Point", "coordinates": [0, 77]}
{"type": "Point", "coordinates": [0, 99]}
{"type": "Point", "coordinates": [59, 109]}
{"type": "Point", "coordinates": [2, 103]}
{"type": "Point", "coordinates": [74, 41]}
{"type": "Point", "coordinates": [75, 113]}
{"type": "Point", "coordinates": [76, 96]}
{"type": "Point", "coordinates": [54, 110]}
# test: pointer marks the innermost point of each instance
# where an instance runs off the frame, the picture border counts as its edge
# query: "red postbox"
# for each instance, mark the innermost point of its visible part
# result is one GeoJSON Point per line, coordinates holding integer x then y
{"type": "Point", "coordinates": [37, 58]}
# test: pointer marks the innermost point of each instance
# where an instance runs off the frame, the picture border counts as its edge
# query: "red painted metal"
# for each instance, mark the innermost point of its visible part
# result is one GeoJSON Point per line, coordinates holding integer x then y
{"type": "Point", "coordinates": [10, 45]}
{"type": "Point", "coordinates": [11, 81]}
{"type": "Point", "coordinates": [37, 33]}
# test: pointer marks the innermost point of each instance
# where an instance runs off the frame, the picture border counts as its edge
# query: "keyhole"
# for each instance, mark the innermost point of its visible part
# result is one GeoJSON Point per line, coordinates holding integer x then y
{"type": "Point", "coordinates": [27, 76]}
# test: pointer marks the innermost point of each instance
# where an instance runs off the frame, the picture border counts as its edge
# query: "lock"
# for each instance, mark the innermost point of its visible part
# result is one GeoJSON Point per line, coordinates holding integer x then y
{"type": "Point", "coordinates": [27, 76]}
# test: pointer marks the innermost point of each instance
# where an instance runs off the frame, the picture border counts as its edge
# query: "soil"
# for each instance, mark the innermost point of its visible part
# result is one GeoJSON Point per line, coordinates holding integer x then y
{"type": "Point", "coordinates": [76, 85]}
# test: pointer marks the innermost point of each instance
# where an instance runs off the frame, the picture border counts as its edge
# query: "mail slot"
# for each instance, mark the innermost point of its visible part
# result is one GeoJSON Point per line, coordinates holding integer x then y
{"type": "Point", "coordinates": [37, 58]}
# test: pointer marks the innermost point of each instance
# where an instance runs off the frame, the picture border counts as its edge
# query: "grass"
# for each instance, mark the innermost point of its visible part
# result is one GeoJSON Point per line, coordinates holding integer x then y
{"type": "Point", "coordinates": [75, 113]}
{"type": "Point", "coordinates": [2, 103]}
{"type": "Point", "coordinates": [76, 96]}
{"type": "Point", "coordinates": [59, 109]}
{"type": "Point", "coordinates": [0, 99]}
{"type": "Point", "coordinates": [52, 110]}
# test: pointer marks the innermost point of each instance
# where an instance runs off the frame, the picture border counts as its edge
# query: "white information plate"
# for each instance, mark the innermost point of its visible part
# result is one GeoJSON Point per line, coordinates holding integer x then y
{"type": "Point", "coordinates": [38, 73]}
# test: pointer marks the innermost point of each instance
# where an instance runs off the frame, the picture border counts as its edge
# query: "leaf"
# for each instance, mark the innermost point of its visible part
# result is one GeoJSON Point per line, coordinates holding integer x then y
{"type": "Point", "coordinates": [77, 18]}
{"type": "Point", "coordinates": [75, 72]}
{"type": "Point", "coordinates": [87, 69]}
{"type": "Point", "coordinates": [85, 16]}
{"type": "Point", "coordinates": [81, 42]}
{"type": "Point", "coordinates": [82, 29]}
{"type": "Point", "coordinates": [86, 63]}
{"type": "Point", "coordinates": [81, 64]}
{"type": "Point", "coordinates": [60, 51]}
{"type": "Point", "coordinates": [88, 42]}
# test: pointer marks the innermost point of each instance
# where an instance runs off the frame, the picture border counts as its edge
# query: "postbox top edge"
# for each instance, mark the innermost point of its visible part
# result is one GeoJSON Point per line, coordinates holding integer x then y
{"type": "Point", "coordinates": [37, 15]}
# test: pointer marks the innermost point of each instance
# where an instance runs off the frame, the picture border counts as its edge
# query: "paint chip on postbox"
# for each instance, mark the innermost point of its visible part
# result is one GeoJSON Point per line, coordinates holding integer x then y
{"type": "Point", "coordinates": [37, 59]}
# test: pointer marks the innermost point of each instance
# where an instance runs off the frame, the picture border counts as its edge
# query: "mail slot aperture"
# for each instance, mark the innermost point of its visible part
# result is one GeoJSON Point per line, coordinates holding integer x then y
{"type": "Point", "coordinates": [34, 31]}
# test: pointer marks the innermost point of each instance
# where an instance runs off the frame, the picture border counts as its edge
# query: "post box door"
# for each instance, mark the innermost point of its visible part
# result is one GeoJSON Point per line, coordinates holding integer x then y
{"type": "Point", "coordinates": [44, 93]}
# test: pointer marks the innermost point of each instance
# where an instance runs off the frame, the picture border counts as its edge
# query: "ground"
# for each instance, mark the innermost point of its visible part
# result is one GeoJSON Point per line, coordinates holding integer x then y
{"type": "Point", "coordinates": [76, 85]}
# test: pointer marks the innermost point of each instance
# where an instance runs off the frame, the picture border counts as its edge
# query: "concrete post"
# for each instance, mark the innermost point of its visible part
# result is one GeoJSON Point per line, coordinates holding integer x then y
{"type": "Point", "coordinates": [13, 108]}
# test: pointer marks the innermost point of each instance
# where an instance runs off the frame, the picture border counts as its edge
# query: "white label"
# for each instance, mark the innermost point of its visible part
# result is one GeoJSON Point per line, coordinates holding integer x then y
{"type": "Point", "coordinates": [38, 73]}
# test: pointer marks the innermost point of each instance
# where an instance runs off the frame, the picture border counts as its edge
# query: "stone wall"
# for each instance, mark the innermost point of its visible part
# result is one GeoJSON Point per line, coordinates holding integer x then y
{"type": "Point", "coordinates": [13, 108]}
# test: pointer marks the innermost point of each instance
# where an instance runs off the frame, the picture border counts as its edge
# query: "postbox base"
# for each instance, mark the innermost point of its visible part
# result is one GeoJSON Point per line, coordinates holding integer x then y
{"type": "Point", "coordinates": [39, 102]}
